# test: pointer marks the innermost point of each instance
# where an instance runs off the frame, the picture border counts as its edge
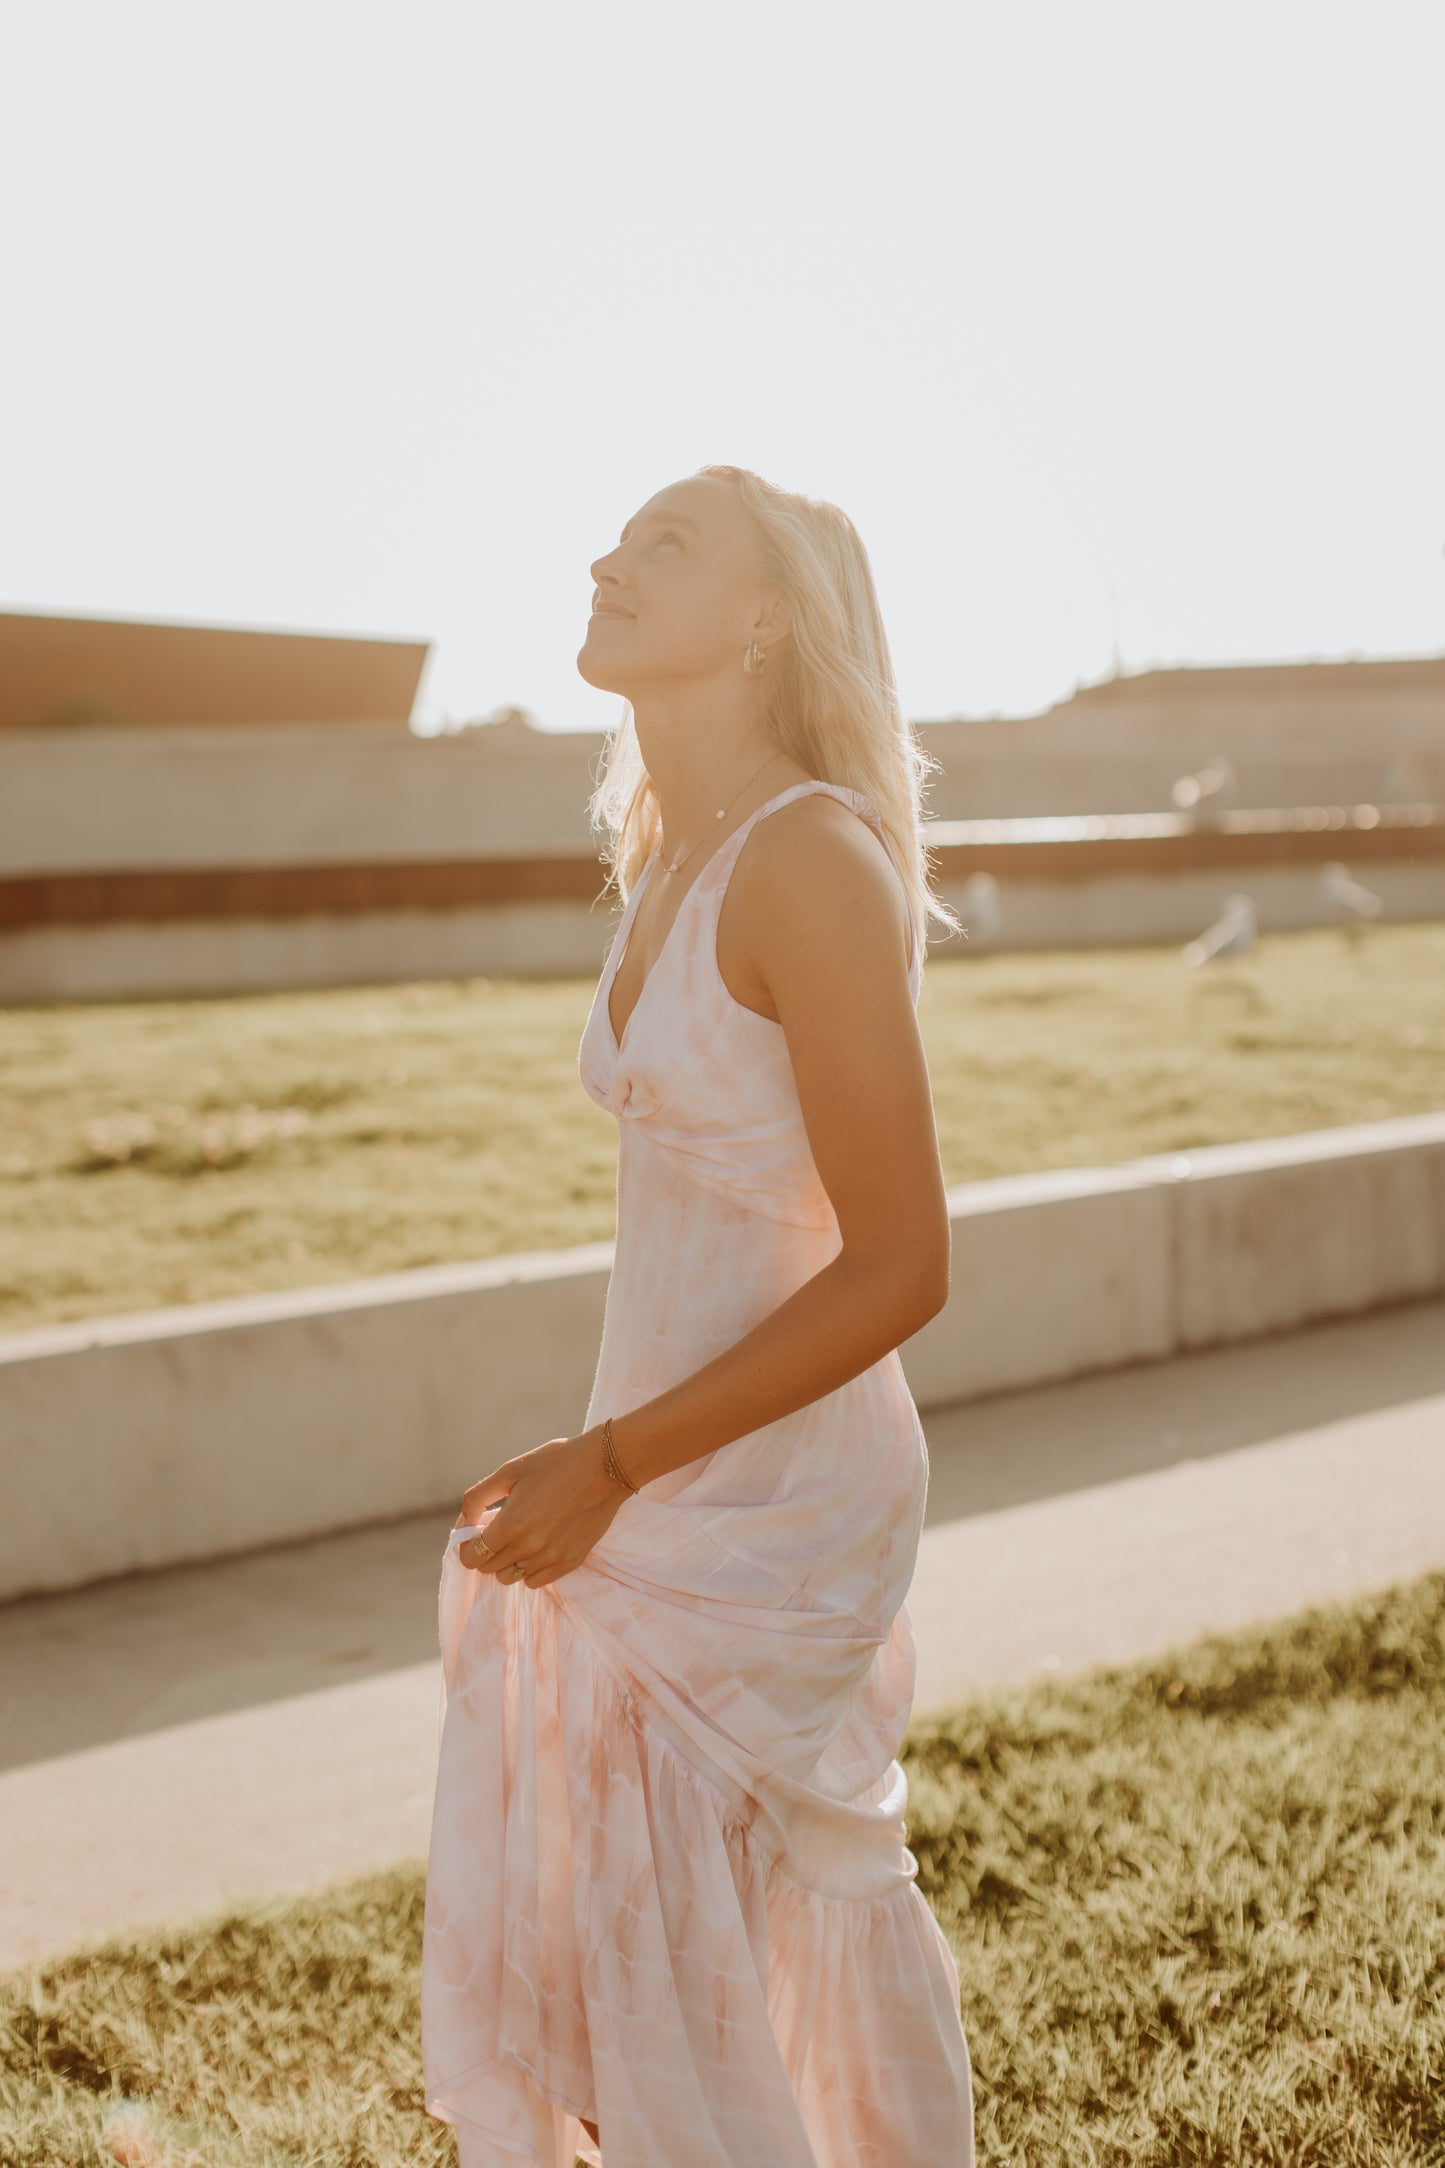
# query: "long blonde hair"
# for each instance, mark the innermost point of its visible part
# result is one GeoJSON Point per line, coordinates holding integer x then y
{"type": "Point", "coordinates": [834, 707]}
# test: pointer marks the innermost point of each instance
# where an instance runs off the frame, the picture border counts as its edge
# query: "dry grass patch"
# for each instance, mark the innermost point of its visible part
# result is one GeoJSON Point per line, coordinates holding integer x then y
{"type": "Point", "coordinates": [170, 1152]}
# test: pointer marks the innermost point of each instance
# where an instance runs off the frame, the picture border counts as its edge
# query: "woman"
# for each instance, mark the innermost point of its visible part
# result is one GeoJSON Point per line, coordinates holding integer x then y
{"type": "Point", "coordinates": [671, 1916]}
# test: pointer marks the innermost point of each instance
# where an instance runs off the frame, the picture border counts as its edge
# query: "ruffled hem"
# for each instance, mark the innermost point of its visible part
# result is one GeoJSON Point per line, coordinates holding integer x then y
{"type": "Point", "coordinates": [521, 2123]}
{"type": "Point", "coordinates": [606, 1937]}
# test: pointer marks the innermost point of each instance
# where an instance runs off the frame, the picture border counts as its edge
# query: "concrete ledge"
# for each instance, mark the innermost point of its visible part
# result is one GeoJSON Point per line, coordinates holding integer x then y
{"type": "Point", "coordinates": [1053, 1274]}
{"type": "Point", "coordinates": [1268, 1237]}
{"type": "Point", "coordinates": [190, 1433]}
{"type": "Point", "coordinates": [187, 1434]}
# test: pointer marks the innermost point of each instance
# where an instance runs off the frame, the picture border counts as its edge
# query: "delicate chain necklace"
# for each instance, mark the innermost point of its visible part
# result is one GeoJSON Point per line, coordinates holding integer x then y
{"type": "Point", "coordinates": [722, 814]}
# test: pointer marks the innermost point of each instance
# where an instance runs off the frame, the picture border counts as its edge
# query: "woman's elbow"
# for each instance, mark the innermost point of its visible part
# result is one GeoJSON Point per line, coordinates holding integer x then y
{"type": "Point", "coordinates": [927, 1286]}
{"type": "Point", "coordinates": [937, 1292]}
{"type": "Point", "coordinates": [903, 1289]}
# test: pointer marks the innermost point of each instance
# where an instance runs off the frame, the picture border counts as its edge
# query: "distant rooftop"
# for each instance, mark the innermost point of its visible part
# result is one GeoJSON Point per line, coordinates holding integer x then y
{"type": "Point", "coordinates": [1194, 681]}
{"type": "Point", "coordinates": [57, 671]}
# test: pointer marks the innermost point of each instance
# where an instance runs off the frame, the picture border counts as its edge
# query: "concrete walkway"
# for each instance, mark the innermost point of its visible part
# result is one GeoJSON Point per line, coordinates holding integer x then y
{"type": "Point", "coordinates": [176, 1741]}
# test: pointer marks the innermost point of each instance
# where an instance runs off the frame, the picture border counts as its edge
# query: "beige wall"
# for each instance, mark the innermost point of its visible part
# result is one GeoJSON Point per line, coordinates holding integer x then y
{"type": "Point", "coordinates": [130, 961]}
{"type": "Point", "coordinates": [344, 794]}
{"type": "Point", "coordinates": [979, 783]}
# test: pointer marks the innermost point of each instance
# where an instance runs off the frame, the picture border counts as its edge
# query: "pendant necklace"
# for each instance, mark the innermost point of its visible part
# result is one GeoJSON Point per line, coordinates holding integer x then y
{"type": "Point", "coordinates": [722, 814]}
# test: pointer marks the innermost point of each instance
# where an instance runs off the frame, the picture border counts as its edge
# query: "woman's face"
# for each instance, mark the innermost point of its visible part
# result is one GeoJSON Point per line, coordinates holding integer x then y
{"type": "Point", "coordinates": [679, 598]}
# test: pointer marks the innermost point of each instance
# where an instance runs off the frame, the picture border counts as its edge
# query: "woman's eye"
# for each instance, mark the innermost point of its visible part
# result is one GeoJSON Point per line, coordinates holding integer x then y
{"type": "Point", "coordinates": [669, 536]}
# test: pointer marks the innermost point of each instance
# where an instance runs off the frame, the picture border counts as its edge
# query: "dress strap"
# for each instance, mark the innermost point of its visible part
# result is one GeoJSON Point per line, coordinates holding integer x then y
{"type": "Point", "coordinates": [857, 801]}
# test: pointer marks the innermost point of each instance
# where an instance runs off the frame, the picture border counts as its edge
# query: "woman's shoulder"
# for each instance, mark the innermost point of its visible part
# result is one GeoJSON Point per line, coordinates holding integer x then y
{"type": "Point", "coordinates": [825, 833]}
{"type": "Point", "coordinates": [818, 857]}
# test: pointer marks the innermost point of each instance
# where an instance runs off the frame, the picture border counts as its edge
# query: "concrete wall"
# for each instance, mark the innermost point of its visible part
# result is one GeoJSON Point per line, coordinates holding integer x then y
{"type": "Point", "coordinates": [188, 1434]}
{"type": "Point", "coordinates": [347, 794]}
{"type": "Point", "coordinates": [287, 795]}
{"type": "Point", "coordinates": [131, 960]}
{"type": "Point", "coordinates": [1004, 783]}
{"type": "Point", "coordinates": [1118, 909]}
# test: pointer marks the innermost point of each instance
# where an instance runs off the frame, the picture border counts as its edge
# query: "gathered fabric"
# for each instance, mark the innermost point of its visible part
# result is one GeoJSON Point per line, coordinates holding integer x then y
{"type": "Point", "coordinates": [669, 1889]}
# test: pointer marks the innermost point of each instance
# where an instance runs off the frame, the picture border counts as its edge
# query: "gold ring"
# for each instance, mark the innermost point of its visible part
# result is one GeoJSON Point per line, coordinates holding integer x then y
{"type": "Point", "coordinates": [485, 1545]}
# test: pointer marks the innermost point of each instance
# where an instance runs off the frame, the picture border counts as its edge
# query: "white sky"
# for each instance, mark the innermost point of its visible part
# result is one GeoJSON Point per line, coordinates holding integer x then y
{"type": "Point", "coordinates": [384, 319]}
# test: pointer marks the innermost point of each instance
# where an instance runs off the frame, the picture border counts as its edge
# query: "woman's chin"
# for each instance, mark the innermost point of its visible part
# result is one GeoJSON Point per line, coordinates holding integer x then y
{"type": "Point", "coordinates": [595, 673]}
{"type": "Point", "coordinates": [599, 672]}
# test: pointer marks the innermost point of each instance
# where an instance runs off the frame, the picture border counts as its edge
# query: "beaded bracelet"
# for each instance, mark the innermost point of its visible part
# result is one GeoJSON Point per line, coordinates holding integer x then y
{"type": "Point", "coordinates": [609, 1457]}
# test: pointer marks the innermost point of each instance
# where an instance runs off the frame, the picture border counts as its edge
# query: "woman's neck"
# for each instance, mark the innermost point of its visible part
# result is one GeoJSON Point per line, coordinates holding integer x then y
{"type": "Point", "coordinates": [702, 754]}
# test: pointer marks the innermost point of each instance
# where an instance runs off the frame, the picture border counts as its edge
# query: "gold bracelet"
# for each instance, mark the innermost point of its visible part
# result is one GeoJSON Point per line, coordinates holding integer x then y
{"type": "Point", "coordinates": [609, 1457]}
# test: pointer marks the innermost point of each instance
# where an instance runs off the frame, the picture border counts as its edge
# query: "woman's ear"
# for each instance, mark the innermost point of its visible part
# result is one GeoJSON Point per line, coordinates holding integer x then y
{"type": "Point", "coordinates": [773, 621]}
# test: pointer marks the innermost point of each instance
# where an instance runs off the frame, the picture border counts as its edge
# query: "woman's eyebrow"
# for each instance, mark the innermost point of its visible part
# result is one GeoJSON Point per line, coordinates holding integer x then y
{"type": "Point", "coordinates": [663, 519]}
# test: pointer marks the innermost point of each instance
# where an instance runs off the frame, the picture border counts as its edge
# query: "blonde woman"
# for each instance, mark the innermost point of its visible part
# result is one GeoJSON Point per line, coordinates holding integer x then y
{"type": "Point", "coordinates": [671, 1916]}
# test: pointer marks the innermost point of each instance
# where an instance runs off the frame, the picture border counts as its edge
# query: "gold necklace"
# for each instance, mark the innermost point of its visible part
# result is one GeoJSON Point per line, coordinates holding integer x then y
{"type": "Point", "coordinates": [722, 814]}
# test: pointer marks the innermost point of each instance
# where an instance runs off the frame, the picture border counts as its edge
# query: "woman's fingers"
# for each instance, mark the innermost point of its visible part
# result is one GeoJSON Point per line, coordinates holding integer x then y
{"type": "Point", "coordinates": [508, 1545]}
{"type": "Point", "coordinates": [490, 1491]}
{"type": "Point", "coordinates": [537, 1520]}
{"type": "Point", "coordinates": [506, 1535]}
{"type": "Point", "coordinates": [478, 1501]}
{"type": "Point", "coordinates": [514, 1561]}
{"type": "Point", "coordinates": [485, 1554]}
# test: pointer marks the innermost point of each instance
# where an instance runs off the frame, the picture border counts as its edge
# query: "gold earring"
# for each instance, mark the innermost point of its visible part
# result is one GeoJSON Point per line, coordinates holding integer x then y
{"type": "Point", "coordinates": [755, 662]}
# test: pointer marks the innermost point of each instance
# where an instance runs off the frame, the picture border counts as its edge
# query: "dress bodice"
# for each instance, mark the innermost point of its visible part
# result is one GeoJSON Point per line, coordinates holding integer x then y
{"type": "Point", "coordinates": [710, 1078]}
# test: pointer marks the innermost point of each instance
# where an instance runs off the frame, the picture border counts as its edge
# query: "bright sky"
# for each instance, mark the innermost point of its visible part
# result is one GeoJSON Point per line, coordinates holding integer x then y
{"type": "Point", "coordinates": [1096, 319]}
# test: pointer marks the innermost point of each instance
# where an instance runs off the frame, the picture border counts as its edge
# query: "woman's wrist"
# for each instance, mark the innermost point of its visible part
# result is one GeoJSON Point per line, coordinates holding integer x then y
{"type": "Point", "coordinates": [594, 1458]}
{"type": "Point", "coordinates": [605, 1461]}
{"type": "Point", "coordinates": [614, 1466]}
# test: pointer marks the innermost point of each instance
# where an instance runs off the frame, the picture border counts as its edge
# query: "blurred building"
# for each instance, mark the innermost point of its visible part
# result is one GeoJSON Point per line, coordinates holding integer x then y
{"type": "Point", "coordinates": [61, 672]}
{"type": "Point", "coordinates": [196, 809]}
{"type": "Point", "coordinates": [1313, 733]}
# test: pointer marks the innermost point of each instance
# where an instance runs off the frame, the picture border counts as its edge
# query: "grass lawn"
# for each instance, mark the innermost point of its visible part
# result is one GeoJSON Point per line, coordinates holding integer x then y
{"type": "Point", "coordinates": [1198, 1907]}
{"type": "Point", "coordinates": [168, 1152]}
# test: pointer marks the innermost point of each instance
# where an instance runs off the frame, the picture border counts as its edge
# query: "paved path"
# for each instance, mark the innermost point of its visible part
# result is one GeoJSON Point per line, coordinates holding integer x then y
{"type": "Point", "coordinates": [177, 1740]}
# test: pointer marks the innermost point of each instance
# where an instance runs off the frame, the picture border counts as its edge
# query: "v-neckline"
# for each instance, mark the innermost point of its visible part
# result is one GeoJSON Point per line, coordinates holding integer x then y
{"type": "Point", "coordinates": [625, 930]}
{"type": "Point", "coordinates": [625, 936]}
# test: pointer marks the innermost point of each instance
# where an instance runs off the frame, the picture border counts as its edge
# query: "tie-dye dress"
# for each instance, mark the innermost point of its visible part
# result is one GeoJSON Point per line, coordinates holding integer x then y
{"type": "Point", "coordinates": [669, 1888]}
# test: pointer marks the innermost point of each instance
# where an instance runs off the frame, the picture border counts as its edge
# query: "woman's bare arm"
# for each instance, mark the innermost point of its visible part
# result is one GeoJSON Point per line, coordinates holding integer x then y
{"type": "Point", "coordinates": [821, 920]}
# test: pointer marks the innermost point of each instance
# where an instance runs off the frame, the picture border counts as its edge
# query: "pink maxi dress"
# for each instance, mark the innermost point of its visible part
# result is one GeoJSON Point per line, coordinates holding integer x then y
{"type": "Point", "coordinates": [669, 1887]}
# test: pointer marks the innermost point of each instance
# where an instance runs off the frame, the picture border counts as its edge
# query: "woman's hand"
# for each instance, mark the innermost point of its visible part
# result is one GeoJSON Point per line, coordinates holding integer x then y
{"type": "Point", "coordinates": [560, 1500]}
